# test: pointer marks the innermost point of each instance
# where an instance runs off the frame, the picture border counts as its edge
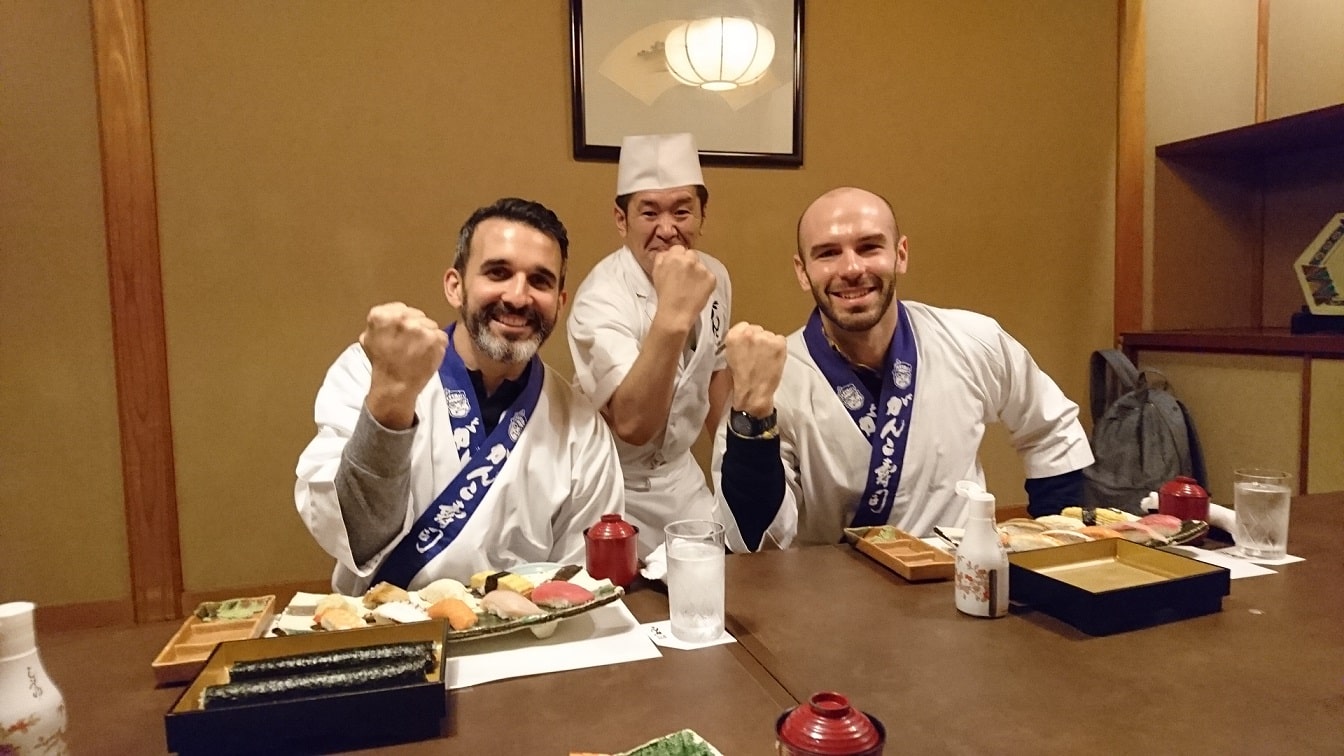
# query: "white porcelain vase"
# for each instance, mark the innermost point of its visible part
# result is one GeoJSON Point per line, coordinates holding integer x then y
{"type": "Point", "coordinates": [32, 712]}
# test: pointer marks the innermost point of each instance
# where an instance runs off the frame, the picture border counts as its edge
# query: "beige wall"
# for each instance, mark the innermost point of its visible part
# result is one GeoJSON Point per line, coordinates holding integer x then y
{"type": "Point", "coordinates": [60, 469]}
{"type": "Point", "coordinates": [314, 158]}
{"type": "Point", "coordinates": [1305, 67]}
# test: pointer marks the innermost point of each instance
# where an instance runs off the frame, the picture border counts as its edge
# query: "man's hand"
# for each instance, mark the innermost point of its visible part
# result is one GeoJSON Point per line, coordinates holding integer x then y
{"type": "Point", "coordinates": [405, 348]}
{"type": "Point", "coordinates": [683, 284]}
{"type": "Point", "coordinates": [756, 358]}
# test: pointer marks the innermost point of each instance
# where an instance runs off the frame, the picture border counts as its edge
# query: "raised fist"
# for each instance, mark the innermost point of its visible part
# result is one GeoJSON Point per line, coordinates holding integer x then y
{"type": "Point", "coordinates": [756, 358]}
{"type": "Point", "coordinates": [684, 285]}
{"type": "Point", "coordinates": [405, 348]}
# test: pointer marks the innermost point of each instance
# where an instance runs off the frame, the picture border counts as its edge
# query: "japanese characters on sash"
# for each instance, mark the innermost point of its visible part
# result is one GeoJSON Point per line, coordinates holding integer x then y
{"type": "Point", "coordinates": [883, 420]}
{"type": "Point", "coordinates": [444, 519]}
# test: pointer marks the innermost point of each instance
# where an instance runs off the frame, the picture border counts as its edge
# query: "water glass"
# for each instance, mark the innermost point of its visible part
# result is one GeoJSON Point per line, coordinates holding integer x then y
{"type": "Point", "coordinates": [695, 579]}
{"type": "Point", "coordinates": [1261, 498]}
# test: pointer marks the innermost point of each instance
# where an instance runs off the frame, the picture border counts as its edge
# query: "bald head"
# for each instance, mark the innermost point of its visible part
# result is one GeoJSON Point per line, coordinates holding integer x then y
{"type": "Point", "coordinates": [840, 207]}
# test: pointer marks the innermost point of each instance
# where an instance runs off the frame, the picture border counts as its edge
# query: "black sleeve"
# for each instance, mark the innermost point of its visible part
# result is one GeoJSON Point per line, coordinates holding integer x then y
{"type": "Point", "coordinates": [1047, 496]}
{"type": "Point", "coordinates": [752, 479]}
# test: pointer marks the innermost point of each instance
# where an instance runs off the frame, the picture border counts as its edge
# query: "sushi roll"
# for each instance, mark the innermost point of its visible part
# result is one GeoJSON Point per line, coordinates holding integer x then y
{"type": "Point", "coordinates": [271, 689]}
{"type": "Point", "coordinates": [327, 661]}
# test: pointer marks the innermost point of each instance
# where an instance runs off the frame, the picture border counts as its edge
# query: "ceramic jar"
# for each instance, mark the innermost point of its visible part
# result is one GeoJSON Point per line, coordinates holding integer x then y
{"type": "Point", "coordinates": [828, 726]}
{"type": "Point", "coordinates": [32, 712]}
{"type": "Point", "coordinates": [612, 550]}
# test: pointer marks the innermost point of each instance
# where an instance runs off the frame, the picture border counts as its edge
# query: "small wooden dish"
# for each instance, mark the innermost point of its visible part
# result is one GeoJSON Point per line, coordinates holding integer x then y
{"type": "Point", "coordinates": [186, 652]}
{"type": "Point", "coordinates": [906, 555]}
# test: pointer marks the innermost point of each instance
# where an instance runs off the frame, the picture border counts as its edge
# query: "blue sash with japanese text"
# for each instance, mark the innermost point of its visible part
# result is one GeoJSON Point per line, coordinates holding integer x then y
{"type": "Point", "coordinates": [444, 519]}
{"type": "Point", "coordinates": [884, 420]}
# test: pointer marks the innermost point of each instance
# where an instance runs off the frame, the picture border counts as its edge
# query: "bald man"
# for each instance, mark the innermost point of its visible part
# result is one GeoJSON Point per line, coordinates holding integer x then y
{"type": "Point", "coordinates": [871, 413]}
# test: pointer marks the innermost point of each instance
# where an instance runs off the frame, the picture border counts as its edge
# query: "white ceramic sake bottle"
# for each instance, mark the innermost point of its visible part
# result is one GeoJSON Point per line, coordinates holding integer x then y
{"type": "Point", "coordinates": [982, 560]}
{"type": "Point", "coordinates": [32, 712]}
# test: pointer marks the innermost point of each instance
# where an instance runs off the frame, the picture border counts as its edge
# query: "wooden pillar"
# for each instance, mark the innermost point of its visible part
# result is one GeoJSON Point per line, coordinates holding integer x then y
{"type": "Point", "coordinates": [138, 342]}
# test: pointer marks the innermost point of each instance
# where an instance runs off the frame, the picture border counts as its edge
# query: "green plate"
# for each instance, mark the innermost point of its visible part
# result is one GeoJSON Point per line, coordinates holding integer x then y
{"type": "Point", "coordinates": [680, 743]}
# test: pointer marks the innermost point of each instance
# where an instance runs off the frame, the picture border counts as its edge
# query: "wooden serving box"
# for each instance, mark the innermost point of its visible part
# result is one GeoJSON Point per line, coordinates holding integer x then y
{"type": "Point", "coordinates": [904, 554]}
{"type": "Point", "coordinates": [184, 655]}
{"type": "Point", "coordinates": [325, 723]}
{"type": "Point", "coordinates": [1113, 585]}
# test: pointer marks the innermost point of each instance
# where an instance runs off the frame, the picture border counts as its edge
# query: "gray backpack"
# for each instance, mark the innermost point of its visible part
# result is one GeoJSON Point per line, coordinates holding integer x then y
{"type": "Point", "coordinates": [1142, 435]}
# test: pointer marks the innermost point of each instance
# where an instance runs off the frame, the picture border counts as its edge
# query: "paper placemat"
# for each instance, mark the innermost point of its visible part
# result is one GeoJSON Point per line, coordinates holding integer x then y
{"type": "Point", "coordinates": [608, 635]}
{"type": "Point", "coordinates": [661, 634]}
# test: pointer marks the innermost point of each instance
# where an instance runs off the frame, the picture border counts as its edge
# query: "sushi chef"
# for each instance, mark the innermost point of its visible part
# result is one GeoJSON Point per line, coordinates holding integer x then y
{"type": "Point", "coordinates": [442, 452]}
{"type": "Point", "coordinates": [647, 333]}
{"type": "Point", "coordinates": [871, 412]}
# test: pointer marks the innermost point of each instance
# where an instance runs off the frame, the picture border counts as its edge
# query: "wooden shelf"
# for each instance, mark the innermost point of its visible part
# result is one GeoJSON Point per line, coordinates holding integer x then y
{"type": "Point", "coordinates": [1275, 341]}
{"type": "Point", "coordinates": [1314, 129]}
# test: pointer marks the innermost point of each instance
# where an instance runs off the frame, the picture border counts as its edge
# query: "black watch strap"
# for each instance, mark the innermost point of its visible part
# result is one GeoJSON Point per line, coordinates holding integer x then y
{"type": "Point", "coordinates": [746, 425]}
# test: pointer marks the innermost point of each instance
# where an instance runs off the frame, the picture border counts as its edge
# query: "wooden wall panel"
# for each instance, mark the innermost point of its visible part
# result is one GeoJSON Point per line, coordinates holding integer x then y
{"type": "Point", "coordinates": [1326, 461]}
{"type": "Point", "coordinates": [61, 511]}
{"type": "Point", "coordinates": [1247, 410]}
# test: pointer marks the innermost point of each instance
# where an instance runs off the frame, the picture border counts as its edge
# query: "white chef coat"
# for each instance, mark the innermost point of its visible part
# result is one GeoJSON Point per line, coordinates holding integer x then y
{"type": "Point", "coordinates": [608, 321]}
{"type": "Point", "coordinates": [970, 373]}
{"type": "Point", "coordinates": [560, 478]}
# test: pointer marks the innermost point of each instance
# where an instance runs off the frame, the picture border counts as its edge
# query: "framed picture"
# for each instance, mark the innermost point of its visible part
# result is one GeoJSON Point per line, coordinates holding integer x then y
{"type": "Point", "coordinates": [728, 71]}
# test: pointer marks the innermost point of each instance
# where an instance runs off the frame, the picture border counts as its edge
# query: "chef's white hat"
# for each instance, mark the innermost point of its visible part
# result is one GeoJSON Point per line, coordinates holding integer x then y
{"type": "Point", "coordinates": [658, 161]}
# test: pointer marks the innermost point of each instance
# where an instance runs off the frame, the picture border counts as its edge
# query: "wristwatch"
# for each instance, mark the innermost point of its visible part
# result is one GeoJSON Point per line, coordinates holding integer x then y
{"type": "Point", "coordinates": [745, 425]}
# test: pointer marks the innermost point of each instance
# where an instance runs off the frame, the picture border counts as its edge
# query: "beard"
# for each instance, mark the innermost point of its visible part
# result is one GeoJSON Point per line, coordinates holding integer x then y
{"type": "Point", "coordinates": [864, 319]}
{"type": "Point", "coordinates": [510, 351]}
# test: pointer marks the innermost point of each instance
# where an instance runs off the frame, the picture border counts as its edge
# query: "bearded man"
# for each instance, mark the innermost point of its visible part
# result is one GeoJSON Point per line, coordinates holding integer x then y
{"type": "Point", "coordinates": [872, 412]}
{"type": "Point", "coordinates": [445, 452]}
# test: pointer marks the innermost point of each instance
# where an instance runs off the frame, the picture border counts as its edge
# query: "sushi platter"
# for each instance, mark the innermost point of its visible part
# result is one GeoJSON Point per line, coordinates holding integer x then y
{"type": "Point", "coordinates": [532, 596]}
{"type": "Point", "coordinates": [1025, 534]}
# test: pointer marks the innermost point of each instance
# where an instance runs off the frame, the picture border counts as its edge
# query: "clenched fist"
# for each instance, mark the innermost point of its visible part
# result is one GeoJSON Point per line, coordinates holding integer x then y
{"type": "Point", "coordinates": [405, 348]}
{"type": "Point", "coordinates": [756, 358]}
{"type": "Point", "coordinates": [684, 286]}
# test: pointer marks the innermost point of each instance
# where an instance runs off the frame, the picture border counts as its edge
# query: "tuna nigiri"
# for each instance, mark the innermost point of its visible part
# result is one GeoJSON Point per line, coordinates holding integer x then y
{"type": "Point", "coordinates": [558, 594]}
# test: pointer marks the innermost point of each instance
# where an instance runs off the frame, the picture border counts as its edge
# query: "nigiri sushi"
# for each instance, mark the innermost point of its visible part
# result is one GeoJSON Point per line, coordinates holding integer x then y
{"type": "Point", "coordinates": [456, 611]}
{"type": "Point", "coordinates": [487, 581]}
{"type": "Point", "coordinates": [507, 604]}
{"type": "Point", "coordinates": [443, 588]}
{"type": "Point", "coordinates": [558, 594]}
{"type": "Point", "coordinates": [384, 593]}
{"type": "Point", "coordinates": [1162, 524]}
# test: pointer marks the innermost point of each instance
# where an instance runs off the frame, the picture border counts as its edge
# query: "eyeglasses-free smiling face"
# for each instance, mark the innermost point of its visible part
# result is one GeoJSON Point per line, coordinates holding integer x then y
{"type": "Point", "coordinates": [657, 219]}
{"type": "Point", "coordinates": [509, 294]}
{"type": "Point", "coordinates": [849, 255]}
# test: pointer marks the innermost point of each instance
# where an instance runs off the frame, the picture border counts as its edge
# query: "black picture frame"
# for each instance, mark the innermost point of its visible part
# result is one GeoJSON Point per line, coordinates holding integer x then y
{"type": "Point", "coordinates": [619, 88]}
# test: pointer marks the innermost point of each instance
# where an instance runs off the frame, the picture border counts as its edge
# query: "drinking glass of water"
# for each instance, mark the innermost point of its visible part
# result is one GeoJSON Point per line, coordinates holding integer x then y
{"type": "Point", "coordinates": [1261, 498]}
{"type": "Point", "coordinates": [695, 579]}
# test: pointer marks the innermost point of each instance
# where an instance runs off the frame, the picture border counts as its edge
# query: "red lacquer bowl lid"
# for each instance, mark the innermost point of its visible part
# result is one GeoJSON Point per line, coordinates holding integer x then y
{"type": "Point", "coordinates": [828, 726]}
{"type": "Point", "coordinates": [611, 527]}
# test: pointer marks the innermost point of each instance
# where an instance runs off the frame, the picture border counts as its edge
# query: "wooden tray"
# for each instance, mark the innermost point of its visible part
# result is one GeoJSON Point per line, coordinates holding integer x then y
{"type": "Point", "coordinates": [905, 554]}
{"type": "Point", "coordinates": [186, 652]}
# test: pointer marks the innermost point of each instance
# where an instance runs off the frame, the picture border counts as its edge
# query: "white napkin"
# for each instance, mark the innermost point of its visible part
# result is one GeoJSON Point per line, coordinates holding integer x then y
{"type": "Point", "coordinates": [655, 564]}
{"type": "Point", "coordinates": [1219, 515]}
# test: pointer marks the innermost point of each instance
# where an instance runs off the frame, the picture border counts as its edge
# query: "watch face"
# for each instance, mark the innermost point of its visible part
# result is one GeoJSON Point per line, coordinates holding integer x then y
{"type": "Point", "coordinates": [742, 424]}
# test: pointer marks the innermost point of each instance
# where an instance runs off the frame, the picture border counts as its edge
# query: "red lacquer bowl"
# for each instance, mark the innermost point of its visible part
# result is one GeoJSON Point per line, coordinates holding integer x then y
{"type": "Point", "coordinates": [612, 552]}
{"type": "Point", "coordinates": [828, 726]}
